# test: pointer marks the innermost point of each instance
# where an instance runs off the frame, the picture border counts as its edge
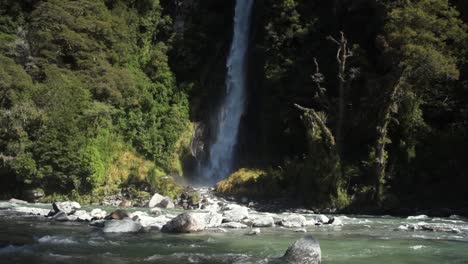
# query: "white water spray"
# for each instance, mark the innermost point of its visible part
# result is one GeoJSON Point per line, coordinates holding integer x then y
{"type": "Point", "coordinates": [221, 154]}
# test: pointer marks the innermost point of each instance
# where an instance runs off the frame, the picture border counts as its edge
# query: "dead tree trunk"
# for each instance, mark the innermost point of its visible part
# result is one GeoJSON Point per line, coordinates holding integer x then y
{"type": "Point", "coordinates": [342, 55]}
{"type": "Point", "coordinates": [380, 154]}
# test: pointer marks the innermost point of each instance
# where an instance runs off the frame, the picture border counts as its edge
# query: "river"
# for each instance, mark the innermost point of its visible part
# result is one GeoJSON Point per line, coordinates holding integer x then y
{"type": "Point", "coordinates": [362, 239]}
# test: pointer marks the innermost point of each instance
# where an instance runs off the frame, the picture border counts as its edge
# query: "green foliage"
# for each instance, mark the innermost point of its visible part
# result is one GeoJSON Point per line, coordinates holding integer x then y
{"type": "Point", "coordinates": [91, 83]}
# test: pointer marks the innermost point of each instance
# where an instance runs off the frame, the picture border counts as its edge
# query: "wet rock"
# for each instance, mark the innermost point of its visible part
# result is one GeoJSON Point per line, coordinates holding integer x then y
{"type": "Point", "coordinates": [16, 201]}
{"type": "Point", "coordinates": [234, 225]}
{"type": "Point", "coordinates": [98, 214]}
{"type": "Point", "coordinates": [213, 219]}
{"type": "Point", "coordinates": [335, 221]}
{"type": "Point", "coordinates": [262, 221]}
{"type": "Point", "coordinates": [82, 215]}
{"type": "Point", "coordinates": [293, 221]}
{"type": "Point", "coordinates": [155, 223]}
{"type": "Point", "coordinates": [185, 223]}
{"type": "Point", "coordinates": [301, 230]}
{"type": "Point", "coordinates": [125, 203]}
{"type": "Point", "coordinates": [235, 213]}
{"type": "Point", "coordinates": [321, 219]}
{"type": "Point", "coordinates": [32, 211]}
{"type": "Point", "coordinates": [67, 207]}
{"type": "Point", "coordinates": [303, 251]}
{"type": "Point", "coordinates": [121, 226]}
{"type": "Point", "coordinates": [117, 215]}
{"type": "Point", "coordinates": [254, 231]}
{"type": "Point", "coordinates": [61, 216]}
{"type": "Point", "coordinates": [160, 201]}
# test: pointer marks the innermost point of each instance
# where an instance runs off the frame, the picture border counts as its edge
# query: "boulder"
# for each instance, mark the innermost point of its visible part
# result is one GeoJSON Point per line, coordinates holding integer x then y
{"type": "Point", "coordinates": [98, 214]}
{"type": "Point", "coordinates": [82, 215]}
{"type": "Point", "coordinates": [67, 207]}
{"type": "Point", "coordinates": [213, 219]}
{"type": "Point", "coordinates": [160, 201]}
{"type": "Point", "coordinates": [234, 225]}
{"type": "Point", "coordinates": [166, 203]}
{"type": "Point", "coordinates": [321, 219]}
{"type": "Point", "coordinates": [303, 251]}
{"type": "Point", "coordinates": [125, 203]}
{"type": "Point", "coordinates": [185, 223]}
{"type": "Point", "coordinates": [235, 213]}
{"type": "Point", "coordinates": [335, 221]}
{"type": "Point", "coordinates": [117, 215]}
{"type": "Point", "coordinates": [262, 221]}
{"type": "Point", "coordinates": [121, 226]}
{"type": "Point", "coordinates": [32, 211]}
{"type": "Point", "coordinates": [150, 222]}
{"type": "Point", "coordinates": [61, 216]}
{"type": "Point", "coordinates": [294, 221]}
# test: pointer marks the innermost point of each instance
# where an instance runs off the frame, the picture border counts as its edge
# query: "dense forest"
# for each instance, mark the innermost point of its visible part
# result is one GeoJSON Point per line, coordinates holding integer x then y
{"type": "Point", "coordinates": [353, 104]}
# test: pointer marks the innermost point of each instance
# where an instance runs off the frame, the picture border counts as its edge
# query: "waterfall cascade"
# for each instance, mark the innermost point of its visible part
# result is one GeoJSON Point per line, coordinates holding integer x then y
{"type": "Point", "coordinates": [220, 162]}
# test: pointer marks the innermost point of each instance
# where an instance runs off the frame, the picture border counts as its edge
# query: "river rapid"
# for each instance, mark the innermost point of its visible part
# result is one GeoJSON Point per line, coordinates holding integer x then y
{"type": "Point", "coordinates": [362, 239]}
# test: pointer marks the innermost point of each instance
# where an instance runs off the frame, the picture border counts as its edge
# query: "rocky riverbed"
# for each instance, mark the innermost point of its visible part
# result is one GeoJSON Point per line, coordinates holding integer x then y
{"type": "Point", "coordinates": [218, 231]}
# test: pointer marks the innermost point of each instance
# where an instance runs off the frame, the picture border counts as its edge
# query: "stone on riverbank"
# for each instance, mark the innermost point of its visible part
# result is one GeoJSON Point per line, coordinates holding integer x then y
{"type": "Point", "coordinates": [303, 251]}
{"type": "Point", "coordinates": [82, 215]}
{"type": "Point", "coordinates": [234, 225]}
{"type": "Point", "coordinates": [32, 211]}
{"type": "Point", "coordinates": [259, 220]}
{"type": "Point", "coordinates": [213, 219]}
{"type": "Point", "coordinates": [98, 214]}
{"type": "Point", "coordinates": [293, 221]}
{"type": "Point", "coordinates": [235, 213]}
{"type": "Point", "coordinates": [160, 201]}
{"type": "Point", "coordinates": [185, 223]}
{"type": "Point", "coordinates": [117, 215]}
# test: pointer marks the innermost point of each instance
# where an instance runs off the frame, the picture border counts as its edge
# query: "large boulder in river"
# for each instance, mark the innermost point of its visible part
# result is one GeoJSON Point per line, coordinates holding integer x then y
{"type": "Point", "coordinates": [294, 221]}
{"type": "Point", "coordinates": [303, 251]}
{"type": "Point", "coordinates": [67, 207]}
{"type": "Point", "coordinates": [121, 226]}
{"type": "Point", "coordinates": [235, 213]}
{"type": "Point", "coordinates": [160, 201]}
{"type": "Point", "coordinates": [185, 223]}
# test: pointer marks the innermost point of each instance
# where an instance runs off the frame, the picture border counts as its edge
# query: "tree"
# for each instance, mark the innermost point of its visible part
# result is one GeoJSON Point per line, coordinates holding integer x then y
{"type": "Point", "coordinates": [425, 38]}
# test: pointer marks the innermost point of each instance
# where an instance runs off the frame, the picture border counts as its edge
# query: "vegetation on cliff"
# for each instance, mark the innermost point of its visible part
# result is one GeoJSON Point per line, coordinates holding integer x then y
{"type": "Point", "coordinates": [352, 104]}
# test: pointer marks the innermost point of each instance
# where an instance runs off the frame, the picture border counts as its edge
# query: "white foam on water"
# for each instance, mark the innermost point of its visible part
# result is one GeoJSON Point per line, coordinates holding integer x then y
{"type": "Point", "coordinates": [56, 240]}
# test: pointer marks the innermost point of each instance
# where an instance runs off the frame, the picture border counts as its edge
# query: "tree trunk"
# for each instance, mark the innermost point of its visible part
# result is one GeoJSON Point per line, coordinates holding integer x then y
{"type": "Point", "coordinates": [380, 159]}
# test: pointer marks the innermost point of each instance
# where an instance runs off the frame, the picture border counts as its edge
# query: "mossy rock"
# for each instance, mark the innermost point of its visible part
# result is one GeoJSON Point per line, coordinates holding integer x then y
{"type": "Point", "coordinates": [251, 183]}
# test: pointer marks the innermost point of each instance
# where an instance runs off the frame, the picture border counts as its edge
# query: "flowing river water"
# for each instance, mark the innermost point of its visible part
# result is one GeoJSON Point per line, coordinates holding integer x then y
{"type": "Point", "coordinates": [361, 240]}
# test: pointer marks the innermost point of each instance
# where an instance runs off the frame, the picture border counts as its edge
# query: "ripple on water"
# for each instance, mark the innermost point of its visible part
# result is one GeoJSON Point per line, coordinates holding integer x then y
{"type": "Point", "coordinates": [11, 249]}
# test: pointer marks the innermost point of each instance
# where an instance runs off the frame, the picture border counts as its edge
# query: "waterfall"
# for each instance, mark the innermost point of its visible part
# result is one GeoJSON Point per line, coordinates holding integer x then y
{"type": "Point", "coordinates": [220, 162]}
